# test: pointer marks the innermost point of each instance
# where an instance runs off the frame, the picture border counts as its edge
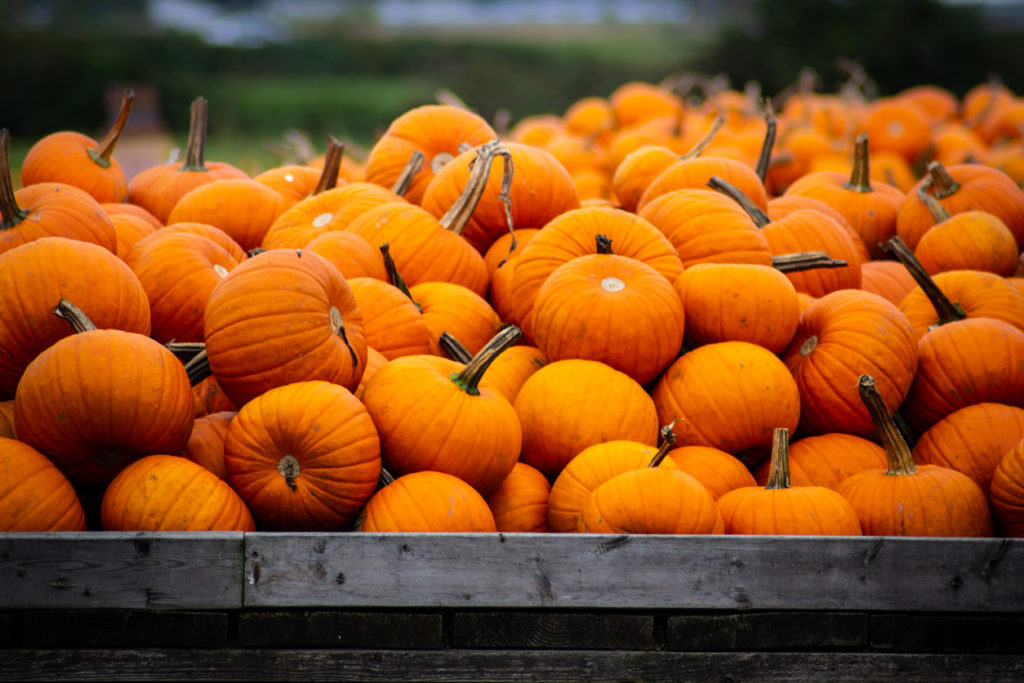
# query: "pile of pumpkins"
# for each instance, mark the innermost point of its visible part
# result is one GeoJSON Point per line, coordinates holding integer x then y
{"type": "Point", "coordinates": [656, 313]}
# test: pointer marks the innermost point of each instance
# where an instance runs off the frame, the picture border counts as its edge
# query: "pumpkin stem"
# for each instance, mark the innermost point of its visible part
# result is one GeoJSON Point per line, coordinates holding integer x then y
{"type": "Point", "coordinates": [454, 348]}
{"type": "Point", "coordinates": [765, 158]}
{"type": "Point", "coordinates": [805, 260]}
{"type": "Point", "coordinates": [948, 311]}
{"type": "Point", "coordinates": [288, 467]}
{"type": "Point", "coordinates": [604, 244]}
{"type": "Point", "coordinates": [404, 179]}
{"type": "Point", "coordinates": [194, 148]}
{"type": "Point", "coordinates": [938, 211]}
{"type": "Point", "coordinates": [185, 351]}
{"type": "Point", "coordinates": [79, 321]}
{"type": "Point", "coordinates": [332, 165]}
{"type": "Point", "coordinates": [668, 442]}
{"type": "Point", "coordinates": [941, 180]}
{"type": "Point", "coordinates": [338, 328]}
{"type": "Point", "coordinates": [759, 217]}
{"type": "Point", "coordinates": [105, 149]}
{"type": "Point", "coordinates": [860, 176]}
{"type": "Point", "coordinates": [469, 377]}
{"type": "Point", "coordinates": [897, 452]}
{"type": "Point", "coordinates": [384, 479]}
{"type": "Point", "coordinates": [394, 277]}
{"type": "Point", "coordinates": [480, 172]}
{"type": "Point", "coordinates": [10, 213]}
{"type": "Point", "coordinates": [697, 149]}
{"type": "Point", "coordinates": [198, 368]}
{"type": "Point", "coordinates": [778, 468]}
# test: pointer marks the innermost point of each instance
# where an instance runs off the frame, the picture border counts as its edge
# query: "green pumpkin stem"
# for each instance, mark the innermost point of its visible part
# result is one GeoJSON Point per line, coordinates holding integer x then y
{"type": "Point", "coordinates": [394, 277]}
{"type": "Point", "coordinates": [935, 208]}
{"type": "Point", "coordinates": [860, 176]}
{"type": "Point", "coordinates": [105, 149]}
{"type": "Point", "coordinates": [897, 452]}
{"type": "Point", "coordinates": [404, 179]}
{"type": "Point", "coordinates": [604, 244]}
{"type": "Point", "coordinates": [196, 144]}
{"type": "Point", "coordinates": [668, 442]}
{"type": "Point", "coordinates": [10, 211]}
{"type": "Point", "coordinates": [805, 260]}
{"type": "Point", "coordinates": [759, 217]}
{"type": "Point", "coordinates": [468, 379]}
{"type": "Point", "coordinates": [198, 368]}
{"type": "Point", "coordinates": [941, 180]}
{"type": "Point", "coordinates": [778, 468]}
{"type": "Point", "coordinates": [764, 160]}
{"type": "Point", "coordinates": [454, 348]}
{"type": "Point", "coordinates": [948, 311]}
{"type": "Point", "coordinates": [332, 165]}
{"type": "Point", "coordinates": [698, 149]}
{"type": "Point", "coordinates": [460, 212]}
{"type": "Point", "coordinates": [75, 316]}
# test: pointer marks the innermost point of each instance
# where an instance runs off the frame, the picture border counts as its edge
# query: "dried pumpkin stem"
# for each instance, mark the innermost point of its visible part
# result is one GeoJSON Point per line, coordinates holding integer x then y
{"type": "Point", "coordinates": [461, 211]}
{"type": "Point", "coordinates": [668, 442]}
{"type": "Point", "coordinates": [454, 348]}
{"type": "Point", "coordinates": [469, 377]}
{"type": "Point", "coordinates": [105, 149]}
{"type": "Point", "coordinates": [937, 210]}
{"type": "Point", "coordinates": [338, 328]}
{"type": "Point", "coordinates": [697, 149]}
{"type": "Point", "coordinates": [860, 176]}
{"type": "Point", "coordinates": [604, 244]}
{"type": "Point", "coordinates": [195, 147]}
{"type": "Point", "coordinates": [10, 211]}
{"type": "Point", "coordinates": [941, 180]}
{"type": "Point", "coordinates": [404, 179]}
{"type": "Point", "coordinates": [332, 165]}
{"type": "Point", "coordinates": [778, 467]}
{"type": "Point", "coordinates": [394, 277]}
{"type": "Point", "coordinates": [198, 368]}
{"type": "Point", "coordinates": [897, 452]}
{"type": "Point", "coordinates": [805, 260]}
{"type": "Point", "coordinates": [75, 316]}
{"type": "Point", "coordinates": [185, 351]}
{"type": "Point", "coordinates": [772, 128]}
{"type": "Point", "coordinates": [759, 217]}
{"type": "Point", "coordinates": [947, 310]}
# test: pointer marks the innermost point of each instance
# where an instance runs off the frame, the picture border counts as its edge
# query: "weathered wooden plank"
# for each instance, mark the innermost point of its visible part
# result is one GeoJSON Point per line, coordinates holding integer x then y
{"type": "Point", "coordinates": [124, 628]}
{"type": "Point", "coordinates": [390, 630]}
{"type": "Point", "coordinates": [553, 630]}
{"type": "Point", "coordinates": [768, 631]}
{"type": "Point", "coordinates": [947, 633]}
{"type": "Point", "coordinates": [498, 665]}
{"type": "Point", "coordinates": [110, 570]}
{"type": "Point", "coordinates": [628, 572]}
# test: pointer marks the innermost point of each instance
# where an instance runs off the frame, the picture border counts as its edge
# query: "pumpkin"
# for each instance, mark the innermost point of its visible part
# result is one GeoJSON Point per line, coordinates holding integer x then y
{"type": "Point", "coordinates": [436, 414]}
{"type": "Point", "coordinates": [427, 501]}
{"type": "Point", "coordinates": [350, 253]}
{"type": "Point", "coordinates": [243, 208]}
{"type": "Point", "coordinates": [606, 307]}
{"type": "Point", "coordinates": [971, 240]}
{"type": "Point", "coordinates": [436, 131]}
{"type": "Point", "coordinates": [869, 206]}
{"type": "Point", "coordinates": [169, 493]}
{"type": "Point", "coordinates": [452, 308]}
{"type": "Point", "coordinates": [128, 230]}
{"type": "Point", "coordinates": [304, 456]}
{"type": "Point", "coordinates": [842, 336]}
{"type": "Point", "coordinates": [209, 398]}
{"type": "Point", "coordinates": [513, 366]}
{"type": "Point", "coordinates": [215, 235]}
{"type": "Point", "coordinates": [506, 248]}
{"type": "Point", "coordinates": [33, 279]}
{"type": "Point", "coordinates": [159, 188]}
{"type": "Point", "coordinates": [127, 209]}
{"type": "Point", "coordinates": [296, 182]}
{"type": "Point", "coordinates": [898, 126]}
{"type": "Point", "coordinates": [781, 508]}
{"type": "Point", "coordinates": [719, 471]}
{"type": "Point", "coordinates": [568, 405]}
{"type": "Point", "coordinates": [178, 271]}
{"type": "Point", "coordinates": [539, 190]}
{"type": "Point", "coordinates": [827, 459]}
{"type": "Point", "coordinates": [1007, 492]}
{"type": "Point", "coordinates": [738, 302]}
{"type": "Point", "coordinates": [78, 160]}
{"type": "Point", "coordinates": [520, 503]}
{"type": "Point", "coordinates": [636, 101]}
{"type": "Point", "coordinates": [637, 171]}
{"type": "Point", "coordinates": [93, 402]}
{"type": "Point", "coordinates": [888, 279]}
{"type": "Point", "coordinates": [283, 317]}
{"type": "Point", "coordinates": [910, 500]}
{"type": "Point", "coordinates": [392, 322]}
{"type": "Point", "coordinates": [728, 395]}
{"type": "Point", "coordinates": [374, 362]}
{"type": "Point", "coordinates": [972, 440]}
{"type": "Point", "coordinates": [7, 419]}
{"type": "Point", "coordinates": [780, 207]}
{"type": "Point", "coordinates": [206, 443]}
{"type": "Point", "coordinates": [34, 495]}
{"type": "Point", "coordinates": [936, 103]}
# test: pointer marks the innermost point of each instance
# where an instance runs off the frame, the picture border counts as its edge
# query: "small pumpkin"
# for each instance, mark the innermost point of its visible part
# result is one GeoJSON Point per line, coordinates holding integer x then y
{"type": "Point", "coordinates": [520, 503]}
{"type": "Point", "coordinates": [426, 501]}
{"type": "Point", "coordinates": [206, 443]}
{"type": "Point", "coordinates": [1007, 492]}
{"type": "Point", "coordinates": [34, 494]}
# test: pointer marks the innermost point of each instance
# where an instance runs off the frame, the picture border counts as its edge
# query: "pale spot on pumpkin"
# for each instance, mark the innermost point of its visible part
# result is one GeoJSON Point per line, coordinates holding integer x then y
{"type": "Point", "coordinates": [289, 178]}
{"type": "Point", "coordinates": [440, 161]}
{"type": "Point", "coordinates": [809, 344]}
{"type": "Point", "coordinates": [612, 284]}
{"type": "Point", "coordinates": [220, 270]}
{"type": "Point", "coordinates": [322, 220]}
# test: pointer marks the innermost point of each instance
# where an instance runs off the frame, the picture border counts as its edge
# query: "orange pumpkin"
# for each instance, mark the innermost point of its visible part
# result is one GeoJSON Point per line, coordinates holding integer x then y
{"type": "Point", "coordinates": [452, 308]}
{"type": "Point", "coordinates": [520, 503]}
{"type": "Point", "coordinates": [972, 240]}
{"type": "Point", "coordinates": [719, 471]}
{"type": "Point", "coordinates": [206, 444]}
{"type": "Point", "coordinates": [827, 459]}
{"type": "Point", "coordinates": [243, 208]}
{"type": "Point", "coordinates": [1007, 492]}
{"type": "Point", "coordinates": [350, 253]}
{"type": "Point", "coordinates": [34, 495]}
{"type": "Point", "coordinates": [392, 322]}
{"type": "Point", "coordinates": [426, 501]}
{"type": "Point", "coordinates": [958, 294]}
{"type": "Point", "coordinates": [888, 279]}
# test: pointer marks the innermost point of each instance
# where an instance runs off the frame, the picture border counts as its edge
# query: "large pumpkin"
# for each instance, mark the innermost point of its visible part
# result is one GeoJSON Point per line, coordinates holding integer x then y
{"type": "Point", "coordinates": [34, 495]}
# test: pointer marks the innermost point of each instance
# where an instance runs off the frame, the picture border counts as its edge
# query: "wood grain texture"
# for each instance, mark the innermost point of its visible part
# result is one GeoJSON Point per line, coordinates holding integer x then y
{"type": "Point", "coordinates": [498, 665]}
{"type": "Point", "coordinates": [109, 570]}
{"type": "Point", "coordinates": [629, 572]}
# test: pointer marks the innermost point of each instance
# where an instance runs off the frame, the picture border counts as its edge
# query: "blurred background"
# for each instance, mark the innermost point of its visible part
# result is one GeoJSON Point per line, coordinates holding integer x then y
{"type": "Point", "coordinates": [348, 67]}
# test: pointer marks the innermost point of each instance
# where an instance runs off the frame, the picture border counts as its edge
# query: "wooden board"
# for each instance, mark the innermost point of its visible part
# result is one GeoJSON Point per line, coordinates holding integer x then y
{"type": "Point", "coordinates": [499, 665]}
{"type": "Point", "coordinates": [627, 572]}
{"type": "Point", "coordinates": [101, 570]}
